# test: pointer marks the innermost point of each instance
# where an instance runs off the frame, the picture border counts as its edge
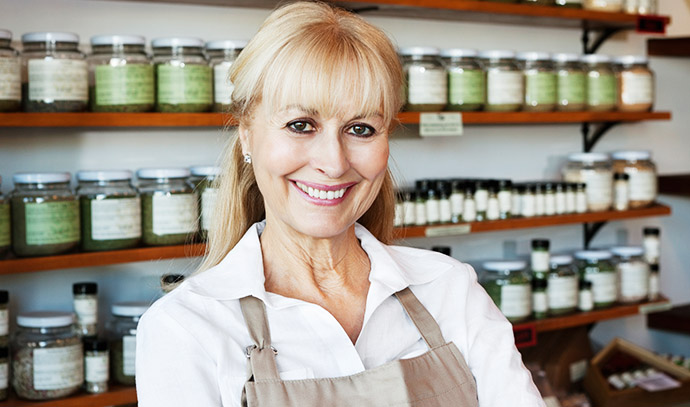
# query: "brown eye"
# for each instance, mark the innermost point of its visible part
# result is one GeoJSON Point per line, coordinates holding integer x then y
{"type": "Point", "coordinates": [361, 130]}
{"type": "Point", "coordinates": [300, 126]}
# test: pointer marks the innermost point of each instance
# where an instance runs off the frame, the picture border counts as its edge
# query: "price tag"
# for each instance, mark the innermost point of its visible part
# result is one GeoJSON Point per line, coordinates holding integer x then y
{"type": "Point", "coordinates": [440, 124]}
{"type": "Point", "coordinates": [651, 24]}
{"type": "Point", "coordinates": [453, 230]}
{"type": "Point", "coordinates": [650, 308]}
{"type": "Point", "coordinates": [525, 335]}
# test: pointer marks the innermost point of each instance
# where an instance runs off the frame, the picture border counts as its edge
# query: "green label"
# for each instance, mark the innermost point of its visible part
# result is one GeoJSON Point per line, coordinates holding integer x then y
{"type": "Point", "coordinates": [184, 84]}
{"type": "Point", "coordinates": [4, 224]}
{"type": "Point", "coordinates": [601, 90]}
{"type": "Point", "coordinates": [124, 85]}
{"type": "Point", "coordinates": [540, 88]}
{"type": "Point", "coordinates": [571, 88]}
{"type": "Point", "coordinates": [52, 222]}
{"type": "Point", "coordinates": [466, 87]}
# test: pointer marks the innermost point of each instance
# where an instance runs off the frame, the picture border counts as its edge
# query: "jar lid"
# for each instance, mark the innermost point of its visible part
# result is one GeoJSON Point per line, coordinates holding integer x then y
{"type": "Point", "coordinates": [631, 59]}
{"type": "Point", "coordinates": [504, 265]}
{"type": "Point", "coordinates": [50, 37]}
{"type": "Point", "coordinates": [84, 288]}
{"type": "Point", "coordinates": [539, 283]}
{"type": "Point", "coordinates": [497, 54]}
{"type": "Point", "coordinates": [588, 157]}
{"type": "Point", "coordinates": [585, 285]}
{"type": "Point", "coordinates": [4, 296]}
{"type": "Point", "coordinates": [627, 251]}
{"type": "Point", "coordinates": [226, 44]}
{"type": "Point", "coordinates": [621, 176]}
{"type": "Point", "coordinates": [593, 255]}
{"type": "Point", "coordinates": [651, 231]}
{"type": "Point", "coordinates": [204, 170]}
{"type": "Point", "coordinates": [118, 40]}
{"type": "Point", "coordinates": [561, 259]}
{"type": "Point", "coordinates": [106, 175]}
{"type": "Point", "coordinates": [566, 57]}
{"type": "Point", "coordinates": [156, 173]}
{"type": "Point", "coordinates": [130, 309]}
{"type": "Point", "coordinates": [540, 244]}
{"type": "Point", "coordinates": [595, 58]}
{"type": "Point", "coordinates": [41, 177]}
{"type": "Point", "coordinates": [177, 42]}
{"type": "Point", "coordinates": [98, 345]}
{"type": "Point", "coordinates": [419, 51]}
{"type": "Point", "coordinates": [458, 52]}
{"type": "Point", "coordinates": [45, 319]}
{"type": "Point", "coordinates": [534, 56]}
{"type": "Point", "coordinates": [5, 34]}
{"type": "Point", "coordinates": [632, 155]}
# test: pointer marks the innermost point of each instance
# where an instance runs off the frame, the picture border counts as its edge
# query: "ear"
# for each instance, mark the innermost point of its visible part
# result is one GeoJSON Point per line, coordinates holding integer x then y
{"type": "Point", "coordinates": [245, 138]}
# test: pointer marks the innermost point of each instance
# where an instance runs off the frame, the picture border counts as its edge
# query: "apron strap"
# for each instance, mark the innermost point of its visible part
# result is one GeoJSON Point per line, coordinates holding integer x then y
{"type": "Point", "coordinates": [262, 361]}
{"type": "Point", "coordinates": [422, 319]}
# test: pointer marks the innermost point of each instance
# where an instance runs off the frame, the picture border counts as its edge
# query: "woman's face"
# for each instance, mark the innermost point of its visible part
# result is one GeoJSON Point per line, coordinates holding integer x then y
{"type": "Point", "coordinates": [317, 174]}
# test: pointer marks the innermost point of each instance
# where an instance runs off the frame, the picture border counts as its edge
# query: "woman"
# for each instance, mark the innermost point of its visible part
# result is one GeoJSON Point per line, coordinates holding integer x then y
{"type": "Point", "coordinates": [297, 304]}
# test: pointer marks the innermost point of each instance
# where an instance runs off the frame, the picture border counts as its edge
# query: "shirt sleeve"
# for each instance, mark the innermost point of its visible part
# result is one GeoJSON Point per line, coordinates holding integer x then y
{"type": "Point", "coordinates": [502, 379]}
{"type": "Point", "coordinates": [172, 367]}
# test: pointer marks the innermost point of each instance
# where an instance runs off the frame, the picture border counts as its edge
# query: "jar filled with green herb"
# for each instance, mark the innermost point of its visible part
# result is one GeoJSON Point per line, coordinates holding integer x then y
{"type": "Point", "coordinates": [596, 267]}
{"type": "Point", "coordinates": [426, 80]}
{"type": "Point", "coordinates": [562, 290]}
{"type": "Point", "coordinates": [122, 332]}
{"type": "Point", "coordinates": [120, 74]}
{"type": "Point", "coordinates": [222, 54]}
{"type": "Point", "coordinates": [4, 318]}
{"type": "Point", "coordinates": [45, 214]}
{"type": "Point", "coordinates": [466, 79]}
{"type": "Point", "coordinates": [47, 356]}
{"type": "Point", "coordinates": [55, 73]}
{"type": "Point", "coordinates": [508, 284]}
{"type": "Point", "coordinates": [540, 81]}
{"type": "Point", "coordinates": [204, 181]}
{"type": "Point", "coordinates": [10, 75]}
{"type": "Point", "coordinates": [110, 210]}
{"type": "Point", "coordinates": [5, 224]}
{"type": "Point", "coordinates": [570, 82]}
{"type": "Point", "coordinates": [183, 77]}
{"type": "Point", "coordinates": [602, 89]}
{"type": "Point", "coordinates": [504, 81]}
{"type": "Point", "coordinates": [169, 207]}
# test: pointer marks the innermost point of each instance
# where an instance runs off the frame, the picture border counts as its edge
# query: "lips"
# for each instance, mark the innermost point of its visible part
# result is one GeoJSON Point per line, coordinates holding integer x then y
{"type": "Point", "coordinates": [323, 194]}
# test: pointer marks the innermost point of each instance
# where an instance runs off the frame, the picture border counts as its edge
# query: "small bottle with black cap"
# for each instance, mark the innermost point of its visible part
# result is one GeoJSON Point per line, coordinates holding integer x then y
{"type": "Point", "coordinates": [96, 366]}
{"type": "Point", "coordinates": [540, 300]}
{"type": "Point", "coordinates": [493, 211]}
{"type": "Point", "coordinates": [469, 208]}
{"type": "Point", "coordinates": [654, 282]}
{"type": "Point", "coordinates": [585, 298]}
{"type": "Point", "coordinates": [651, 244]}
{"type": "Point", "coordinates": [4, 372]}
{"type": "Point", "coordinates": [170, 281]}
{"type": "Point", "coordinates": [540, 259]}
{"type": "Point", "coordinates": [444, 205]}
{"type": "Point", "coordinates": [481, 199]}
{"type": "Point", "coordinates": [86, 308]}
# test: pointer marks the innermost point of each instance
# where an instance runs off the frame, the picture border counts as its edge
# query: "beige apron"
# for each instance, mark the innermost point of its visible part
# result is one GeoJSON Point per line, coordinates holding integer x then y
{"type": "Point", "coordinates": [439, 377]}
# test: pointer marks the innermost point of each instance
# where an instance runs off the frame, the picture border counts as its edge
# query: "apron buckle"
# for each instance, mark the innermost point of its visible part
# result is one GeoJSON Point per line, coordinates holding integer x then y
{"type": "Point", "coordinates": [250, 348]}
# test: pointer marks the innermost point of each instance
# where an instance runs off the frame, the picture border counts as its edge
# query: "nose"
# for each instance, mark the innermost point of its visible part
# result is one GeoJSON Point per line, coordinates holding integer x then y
{"type": "Point", "coordinates": [329, 155]}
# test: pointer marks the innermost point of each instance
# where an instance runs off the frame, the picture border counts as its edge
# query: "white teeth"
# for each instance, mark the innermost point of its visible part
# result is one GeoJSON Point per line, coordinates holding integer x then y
{"type": "Point", "coordinates": [322, 194]}
{"type": "Point", "coordinates": [319, 194]}
{"type": "Point", "coordinates": [330, 195]}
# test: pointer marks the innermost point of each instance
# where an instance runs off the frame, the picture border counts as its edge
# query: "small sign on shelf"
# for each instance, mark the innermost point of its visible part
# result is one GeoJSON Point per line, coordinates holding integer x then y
{"type": "Point", "coordinates": [440, 124]}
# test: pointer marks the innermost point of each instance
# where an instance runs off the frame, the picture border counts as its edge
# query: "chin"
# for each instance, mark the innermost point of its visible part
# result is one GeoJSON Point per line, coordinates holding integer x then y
{"type": "Point", "coordinates": [323, 228]}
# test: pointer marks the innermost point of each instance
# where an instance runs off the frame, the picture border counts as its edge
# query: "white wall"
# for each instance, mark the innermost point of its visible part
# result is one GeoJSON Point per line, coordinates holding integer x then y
{"type": "Point", "coordinates": [520, 152]}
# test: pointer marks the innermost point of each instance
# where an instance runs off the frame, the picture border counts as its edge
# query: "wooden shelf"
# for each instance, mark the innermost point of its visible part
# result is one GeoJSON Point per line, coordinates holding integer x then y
{"type": "Point", "coordinates": [674, 320]}
{"type": "Point", "coordinates": [669, 47]}
{"type": "Point", "coordinates": [116, 396]}
{"type": "Point", "coordinates": [220, 119]}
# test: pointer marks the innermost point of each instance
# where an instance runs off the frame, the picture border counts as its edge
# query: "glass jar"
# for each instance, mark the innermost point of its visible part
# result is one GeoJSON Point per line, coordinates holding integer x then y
{"type": "Point", "coordinates": [585, 301]}
{"type": "Point", "coordinates": [528, 203]}
{"type": "Point", "coordinates": [571, 198]}
{"type": "Point", "coordinates": [508, 284]}
{"type": "Point", "coordinates": [4, 372]}
{"type": "Point", "coordinates": [602, 91]}
{"type": "Point", "coordinates": [445, 210]}
{"type": "Point", "coordinates": [596, 267]}
{"type": "Point", "coordinates": [641, 169]}
{"type": "Point", "coordinates": [633, 274]}
{"type": "Point", "coordinates": [481, 198]}
{"type": "Point", "coordinates": [4, 318]}
{"type": "Point", "coordinates": [594, 170]}
{"type": "Point", "coordinates": [621, 199]}
{"type": "Point", "coordinates": [457, 200]}
{"type": "Point", "coordinates": [540, 300]}
{"type": "Point", "coordinates": [469, 205]}
{"type": "Point", "coordinates": [613, 6]}
{"type": "Point", "coordinates": [122, 333]}
{"type": "Point", "coordinates": [204, 181]}
{"type": "Point", "coordinates": [635, 84]}
{"type": "Point", "coordinates": [5, 224]}
{"type": "Point", "coordinates": [570, 82]}
{"type": "Point", "coordinates": [540, 81]}
{"type": "Point", "coordinates": [420, 206]}
{"type": "Point", "coordinates": [85, 298]}
{"type": "Point", "coordinates": [110, 210]}
{"type": "Point", "coordinates": [120, 74]}
{"type": "Point", "coordinates": [222, 54]}
{"type": "Point", "coordinates": [10, 75]}
{"type": "Point", "coordinates": [562, 289]}
{"type": "Point", "coordinates": [539, 258]}
{"type": "Point", "coordinates": [560, 198]}
{"type": "Point", "coordinates": [504, 81]}
{"type": "Point", "coordinates": [466, 79]}
{"type": "Point", "coordinates": [45, 214]}
{"type": "Point", "coordinates": [516, 200]}
{"type": "Point", "coordinates": [426, 79]}
{"type": "Point", "coordinates": [54, 73]}
{"type": "Point", "coordinates": [47, 356]}
{"type": "Point", "coordinates": [581, 204]}
{"type": "Point", "coordinates": [409, 198]}
{"type": "Point", "coordinates": [96, 366]}
{"type": "Point", "coordinates": [493, 210]}
{"type": "Point", "coordinates": [539, 199]}
{"type": "Point", "coordinates": [169, 208]}
{"type": "Point", "coordinates": [652, 245]}
{"type": "Point", "coordinates": [184, 81]}
{"type": "Point", "coordinates": [505, 198]}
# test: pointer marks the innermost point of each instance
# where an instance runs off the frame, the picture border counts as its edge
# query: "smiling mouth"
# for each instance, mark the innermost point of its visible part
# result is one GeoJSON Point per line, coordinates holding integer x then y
{"type": "Point", "coordinates": [322, 194]}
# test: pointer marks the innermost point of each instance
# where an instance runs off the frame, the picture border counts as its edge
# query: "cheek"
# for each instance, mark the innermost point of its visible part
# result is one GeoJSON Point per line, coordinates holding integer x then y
{"type": "Point", "coordinates": [371, 161]}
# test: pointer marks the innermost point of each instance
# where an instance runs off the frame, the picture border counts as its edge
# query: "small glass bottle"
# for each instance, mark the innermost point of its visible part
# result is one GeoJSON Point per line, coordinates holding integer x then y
{"type": "Point", "coordinates": [549, 199]}
{"type": "Point", "coordinates": [596, 267]}
{"type": "Point", "coordinates": [493, 211]}
{"type": "Point", "coordinates": [504, 81]}
{"type": "Point", "coordinates": [426, 79]}
{"type": "Point", "coordinates": [540, 259]}
{"type": "Point", "coordinates": [96, 366]}
{"type": "Point", "coordinates": [570, 198]}
{"type": "Point", "coordinates": [585, 298]}
{"type": "Point", "coordinates": [433, 207]}
{"type": "Point", "coordinates": [633, 274]}
{"type": "Point", "coordinates": [10, 75]}
{"type": "Point", "coordinates": [654, 284]}
{"type": "Point", "coordinates": [635, 84]}
{"type": "Point", "coordinates": [86, 308]}
{"type": "Point", "coordinates": [596, 170]}
{"type": "Point", "coordinates": [652, 245]}
{"type": "Point", "coordinates": [505, 198]}
{"type": "Point", "coordinates": [540, 81]}
{"type": "Point", "coordinates": [516, 200]}
{"type": "Point", "coordinates": [481, 199]}
{"type": "Point", "coordinates": [638, 165]}
{"type": "Point", "coordinates": [445, 210]}
{"type": "Point", "coordinates": [540, 299]}
{"type": "Point", "coordinates": [222, 54]}
{"type": "Point", "coordinates": [398, 218]}
{"type": "Point", "coordinates": [560, 198]}
{"type": "Point", "coordinates": [581, 202]}
{"type": "Point", "coordinates": [563, 285]}
{"type": "Point", "coordinates": [570, 82]}
{"type": "Point", "coordinates": [509, 287]}
{"type": "Point", "coordinates": [420, 207]}
{"type": "Point", "coordinates": [409, 197]}
{"type": "Point", "coordinates": [122, 331]}
{"type": "Point", "coordinates": [204, 181]}
{"type": "Point", "coordinates": [466, 79]}
{"type": "Point", "coordinates": [170, 281]}
{"type": "Point", "coordinates": [539, 199]}
{"type": "Point", "coordinates": [621, 199]}
{"type": "Point", "coordinates": [469, 210]}
{"type": "Point", "coordinates": [4, 318]}
{"type": "Point", "coordinates": [4, 372]}
{"type": "Point", "coordinates": [457, 201]}
{"type": "Point", "coordinates": [602, 91]}
{"type": "Point", "coordinates": [528, 202]}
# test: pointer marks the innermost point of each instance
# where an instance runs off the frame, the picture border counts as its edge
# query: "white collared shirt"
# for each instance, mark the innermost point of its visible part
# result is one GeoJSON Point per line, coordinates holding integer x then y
{"type": "Point", "coordinates": [191, 343]}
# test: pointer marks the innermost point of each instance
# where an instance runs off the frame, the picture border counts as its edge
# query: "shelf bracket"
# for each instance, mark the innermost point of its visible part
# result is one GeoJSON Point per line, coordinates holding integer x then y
{"type": "Point", "coordinates": [589, 140]}
{"type": "Point", "coordinates": [590, 230]}
{"type": "Point", "coordinates": [601, 36]}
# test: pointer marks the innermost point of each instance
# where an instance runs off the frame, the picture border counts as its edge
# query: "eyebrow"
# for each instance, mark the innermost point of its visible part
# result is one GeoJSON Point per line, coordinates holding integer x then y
{"type": "Point", "coordinates": [314, 112]}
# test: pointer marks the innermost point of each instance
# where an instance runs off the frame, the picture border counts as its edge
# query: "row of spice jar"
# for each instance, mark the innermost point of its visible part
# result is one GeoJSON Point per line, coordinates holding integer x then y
{"type": "Point", "coordinates": [643, 7]}
{"type": "Point", "coordinates": [504, 81]}
{"type": "Point", "coordinates": [52, 75]}
{"type": "Point", "coordinates": [44, 217]}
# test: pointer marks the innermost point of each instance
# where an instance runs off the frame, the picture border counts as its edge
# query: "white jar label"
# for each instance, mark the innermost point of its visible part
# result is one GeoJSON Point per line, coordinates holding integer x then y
{"type": "Point", "coordinates": [58, 368]}
{"type": "Point", "coordinates": [408, 213]}
{"type": "Point", "coordinates": [174, 214]}
{"type": "Point", "coordinates": [504, 88]}
{"type": "Point", "coordinates": [570, 204]}
{"type": "Point", "coordinates": [492, 209]}
{"type": "Point", "coordinates": [580, 202]}
{"type": "Point", "coordinates": [4, 375]}
{"type": "Point", "coordinates": [445, 211]}
{"type": "Point", "coordinates": [208, 203]}
{"type": "Point", "coordinates": [636, 88]}
{"type": "Point", "coordinates": [426, 86]}
{"type": "Point", "coordinates": [550, 204]}
{"type": "Point", "coordinates": [528, 205]}
{"type": "Point", "coordinates": [457, 201]}
{"type": "Point", "coordinates": [562, 292]}
{"type": "Point", "coordinates": [4, 322]}
{"type": "Point", "coordinates": [129, 351]}
{"type": "Point", "coordinates": [604, 286]}
{"type": "Point", "coordinates": [540, 302]}
{"type": "Point", "coordinates": [516, 301]}
{"type": "Point", "coordinates": [642, 185]}
{"type": "Point", "coordinates": [620, 199]}
{"type": "Point", "coordinates": [634, 279]}
{"type": "Point", "coordinates": [505, 201]}
{"type": "Point", "coordinates": [10, 79]}
{"type": "Point", "coordinates": [599, 189]}
{"type": "Point", "coordinates": [113, 219]}
{"type": "Point", "coordinates": [560, 202]}
{"type": "Point", "coordinates": [420, 213]}
{"type": "Point", "coordinates": [469, 211]}
{"type": "Point", "coordinates": [652, 249]}
{"type": "Point", "coordinates": [86, 310]}
{"type": "Point", "coordinates": [96, 368]}
{"type": "Point", "coordinates": [58, 79]}
{"type": "Point", "coordinates": [516, 205]}
{"type": "Point", "coordinates": [433, 210]}
{"type": "Point", "coordinates": [481, 199]}
{"type": "Point", "coordinates": [222, 87]}
{"type": "Point", "coordinates": [540, 260]}
{"type": "Point", "coordinates": [539, 204]}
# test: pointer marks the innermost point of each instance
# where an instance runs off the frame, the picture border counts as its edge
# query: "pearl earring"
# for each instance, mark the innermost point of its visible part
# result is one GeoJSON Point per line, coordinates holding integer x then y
{"type": "Point", "coordinates": [248, 158]}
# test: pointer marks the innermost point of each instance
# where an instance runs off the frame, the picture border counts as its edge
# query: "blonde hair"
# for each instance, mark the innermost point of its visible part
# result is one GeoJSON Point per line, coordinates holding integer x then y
{"type": "Point", "coordinates": [314, 55]}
